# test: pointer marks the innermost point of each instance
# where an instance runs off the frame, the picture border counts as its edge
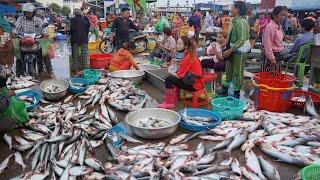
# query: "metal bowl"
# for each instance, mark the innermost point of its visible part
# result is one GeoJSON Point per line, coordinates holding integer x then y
{"type": "Point", "coordinates": [57, 95]}
{"type": "Point", "coordinates": [133, 75]}
{"type": "Point", "coordinates": [148, 67]}
{"type": "Point", "coordinates": [153, 133]}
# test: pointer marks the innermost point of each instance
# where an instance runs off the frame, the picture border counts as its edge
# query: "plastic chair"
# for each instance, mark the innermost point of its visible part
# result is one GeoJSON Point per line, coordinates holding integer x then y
{"type": "Point", "coordinates": [196, 100]}
{"type": "Point", "coordinates": [301, 65]}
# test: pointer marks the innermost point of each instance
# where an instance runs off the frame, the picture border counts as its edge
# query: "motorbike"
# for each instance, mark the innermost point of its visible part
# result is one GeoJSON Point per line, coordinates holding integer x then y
{"type": "Point", "coordinates": [141, 40]}
{"type": "Point", "coordinates": [31, 53]}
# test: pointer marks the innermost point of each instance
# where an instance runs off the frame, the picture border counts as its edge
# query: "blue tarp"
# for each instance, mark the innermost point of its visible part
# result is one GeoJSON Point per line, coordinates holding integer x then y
{"type": "Point", "coordinates": [7, 9]}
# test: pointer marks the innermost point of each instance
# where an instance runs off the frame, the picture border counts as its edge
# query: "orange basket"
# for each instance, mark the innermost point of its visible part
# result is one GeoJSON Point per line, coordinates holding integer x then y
{"type": "Point", "coordinates": [271, 98]}
{"type": "Point", "coordinates": [299, 93]}
{"type": "Point", "coordinates": [274, 79]}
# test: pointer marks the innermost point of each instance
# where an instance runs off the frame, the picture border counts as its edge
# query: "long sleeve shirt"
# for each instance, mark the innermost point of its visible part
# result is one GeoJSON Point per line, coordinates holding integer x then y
{"type": "Point", "coordinates": [194, 66]}
{"type": "Point", "coordinates": [239, 32]}
{"type": "Point", "coordinates": [302, 40]}
{"type": "Point", "coordinates": [272, 39]}
{"type": "Point", "coordinates": [24, 25]}
{"type": "Point", "coordinates": [194, 21]}
{"type": "Point", "coordinates": [122, 27]}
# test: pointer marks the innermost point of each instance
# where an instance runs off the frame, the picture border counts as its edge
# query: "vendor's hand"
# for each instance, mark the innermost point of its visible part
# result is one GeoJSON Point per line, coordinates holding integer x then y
{"type": "Point", "coordinates": [11, 93]}
{"type": "Point", "coordinates": [227, 53]}
{"type": "Point", "coordinates": [273, 61]}
{"type": "Point", "coordinates": [110, 38]}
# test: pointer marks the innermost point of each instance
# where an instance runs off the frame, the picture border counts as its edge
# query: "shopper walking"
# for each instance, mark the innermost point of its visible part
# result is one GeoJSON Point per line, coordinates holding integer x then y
{"type": "Point", "coordinates": [79, 30]}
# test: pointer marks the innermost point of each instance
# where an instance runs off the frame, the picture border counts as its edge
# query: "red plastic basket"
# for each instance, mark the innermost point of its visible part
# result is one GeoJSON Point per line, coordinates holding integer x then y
{"type": "Point", "coordinates": [275, 80]}
{"type": "Point", "coordinates": [100, 61]}
{"type": "Point", "coordinates": [272, 99]}
{"type": "Point", "coordinates": [300, 104]}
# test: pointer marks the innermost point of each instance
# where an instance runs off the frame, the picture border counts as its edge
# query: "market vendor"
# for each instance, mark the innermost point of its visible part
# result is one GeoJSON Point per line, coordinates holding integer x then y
{"type": "Point", "coordinates": [238, 46]}
{"type": "Point", "coordinates": [124, 60]}
{"type": "Point", "coordinates": [189, 75]}
{"type": "Point", "coordinates": [12, 111]}
{"type": "Point", "coordinates": [216, 61]}
{"type": "Point", "coordinates": [164, 49]}
{"type": "Point", "coordinates": [273, 50]}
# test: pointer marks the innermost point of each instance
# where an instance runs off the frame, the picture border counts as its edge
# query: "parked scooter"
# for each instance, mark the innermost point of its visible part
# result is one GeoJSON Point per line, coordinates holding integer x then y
{"type": "Point", "coordinates": [141, 42]}
{"type": "Point", "coordinates": [31, 53]}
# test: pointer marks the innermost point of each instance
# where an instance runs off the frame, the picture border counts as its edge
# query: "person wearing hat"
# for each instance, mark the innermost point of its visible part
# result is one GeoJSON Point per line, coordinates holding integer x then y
{"type": "Point", "coordinates": [124, 60]}
{"type": "Point", "coordinates": [121, 28]}
{"type": "Point", "coordinates": [79, 30]}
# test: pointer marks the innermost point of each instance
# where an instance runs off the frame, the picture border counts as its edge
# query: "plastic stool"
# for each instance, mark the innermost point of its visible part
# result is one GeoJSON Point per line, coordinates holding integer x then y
{"type": "Point", "coordinates": [196, 100]}
{"type": "Point", "coordinates": [209, 79]}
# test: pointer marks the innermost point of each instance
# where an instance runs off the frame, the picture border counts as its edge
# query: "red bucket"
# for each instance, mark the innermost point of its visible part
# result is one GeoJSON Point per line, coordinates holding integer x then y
{"type": "Point", "coordinates": [272, 99]}
{"type": "Point", "coordinates": [100, 61]}
{"type": "Point", "coordinates": [273, 79]}
{"type": "Point", "coordinates": [300, 104]}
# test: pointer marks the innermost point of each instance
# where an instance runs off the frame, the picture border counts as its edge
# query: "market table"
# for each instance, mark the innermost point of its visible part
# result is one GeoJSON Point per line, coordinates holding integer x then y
{"type": "Point", "coordinates": [286, 171]}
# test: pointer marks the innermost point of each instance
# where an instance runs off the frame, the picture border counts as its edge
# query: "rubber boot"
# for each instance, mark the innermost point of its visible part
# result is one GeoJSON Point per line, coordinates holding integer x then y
{"type": "Point", "coordinates": [170, 99]}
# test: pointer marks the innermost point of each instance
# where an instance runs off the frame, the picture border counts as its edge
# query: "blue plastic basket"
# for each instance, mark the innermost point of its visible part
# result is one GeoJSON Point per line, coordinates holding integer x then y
{"type": "Point", "coordinates": [119, 129]}
{"type": "Point", "coordinates": [202, 113]}
{"type": "Point", "coordinates": [91, 75]}
{"type": "Point", "coordinates": [78, 80]}
{"type": "Point", "coordinates": [228, 107]}
{"type": "Point", "coordinates": [32, 94]}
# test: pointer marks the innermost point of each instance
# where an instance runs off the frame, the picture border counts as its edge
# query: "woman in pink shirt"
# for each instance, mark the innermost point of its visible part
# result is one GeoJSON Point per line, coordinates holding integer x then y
{"type": "Point", "coordinates": [273, 49]}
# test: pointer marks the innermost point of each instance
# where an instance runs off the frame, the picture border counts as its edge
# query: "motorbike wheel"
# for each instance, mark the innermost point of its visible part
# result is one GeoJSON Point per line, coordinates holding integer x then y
{"type": "Point", "coordinates": [106, 46]}
{"type": "Point", "coordinates": [141, 45]}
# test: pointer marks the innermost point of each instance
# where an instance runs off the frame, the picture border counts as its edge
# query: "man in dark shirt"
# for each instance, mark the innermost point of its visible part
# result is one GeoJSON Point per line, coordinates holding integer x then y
{"type": "Point", "coordinates": [79, 30]}
{"type": "Point", "coordinates": [121, 28]}
{"type": "Point", "coordinates": [195, 22]}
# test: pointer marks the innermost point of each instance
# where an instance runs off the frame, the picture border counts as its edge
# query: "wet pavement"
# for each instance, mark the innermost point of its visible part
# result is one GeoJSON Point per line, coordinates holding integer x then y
{"type": "Point", "coordinates": [61, 70]}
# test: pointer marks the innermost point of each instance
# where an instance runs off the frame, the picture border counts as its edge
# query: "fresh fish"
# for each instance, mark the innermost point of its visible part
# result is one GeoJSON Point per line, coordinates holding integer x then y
{"type": "Point", "coordinates": [193, 136]}
{"type": "Point", "coordinates": [153, 123]}
{"type": "Point", "coordinates": [113, 116]}
{"type": "Point", "coordinates": [129, 138]}
{"type": "Point", "coordinates": [252, 162]}
{"type": "Point", "coordinates": [235, 167]}
{"type": "Point", "coordinates": [222, 144]}
{"type": "Point", "coordinates": [201, 149]}
{"type": "Point", "coordinates": [35, 159]}
{"type": "Point", "coordinates": [212, 138]}
{"type": "Point", "coordinates": [57, 139]}
{"type": "Point", "coordinates": [269, 170]}
{"type": "Point", "coordinates": [178, 162]}
{"type": "Point", "coordinates": [8, 140]}
{"type": "Point", "coordinates": [66, 100]}
{"type": "Point", "coordinates": [80, 170]}
{"type": "Point", "coordinates": [95, 176]}
{"type": "Point", "coordinates": [212, 169]}
{"type": "Point", "coordinates": [178, 139]}
{"type": "Point", "coordinates": [207, 159]}
{"type": "Point", "coordinates": [309, 107]}
{"type": "Point", "coordinates": [237, 141]}
{"type": "Point", "coordinates": [22, 141]}
{"type": "Point", "coordinates": [83, 151]}
{"type": "Point", "coordinates": [66, 173]}
{"type": "Point", "coordinates": [4, 163]}
{"type": "Point", "coordinates": [248, 173]}
{"type": "Point", "coordinates": [94, 163]}
{"type": "Point", "coordinates": [19, 160]}
{"type": "Point", "coordinates": [96, 98]}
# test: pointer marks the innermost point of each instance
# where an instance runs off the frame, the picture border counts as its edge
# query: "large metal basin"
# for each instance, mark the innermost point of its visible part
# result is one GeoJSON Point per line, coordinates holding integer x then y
{"type": "Point", "coordinates": [133, 75]}
{"type": "Point", "coordinates": [57, 95]}
{"type": "Point", "coordinates": [153, 133]}
{"type": "Point", "coordinates": [148, 67]}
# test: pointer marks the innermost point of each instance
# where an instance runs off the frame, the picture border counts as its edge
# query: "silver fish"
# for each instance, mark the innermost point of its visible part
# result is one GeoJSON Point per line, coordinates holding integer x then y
{"type": "Point", "coordinates": [129, 138]}
{"type": "Point", "coordinates": [4, 163]}
{"type": "Point", "coordinates": [8, 140]}
{"type": "Point", "coordinates": [94, 163]}
{"type": "Point", "coordinates": [252, 162]}
{"type": "Point", "coordinates": [83, 151]}
{"type": "Point", "coordinates": [57, 139]}
{"type": "Point", "coordinates": [235, 167]}
{"type": "Point", "coordinates": [96, 98]}
{"type": "Point", "coordinates": [19, 160]}
{"type": "Point", "coordinates": [222, 144]}
{"type": "Point", "coordinates": [201, 149]}
{"type": "Point", "coordinates": [309, 107]}
{"type": "Point", "coordinates": [178, 139]}
{"type": "Point", "coordinates": [35, 159]}
{"type": "Point", "coordinates": [178, 162]}
{"type": "Point", "coordinates": [95, 176]}
{"type": "Point", "coordinates": [113, 116]}
{"type": "Point", "coordinates": [237, 141]}
{"type": "Point", "coordinates": [247, 172]}
{"type": "Point", "coordinates": [269, 170]}
{"type": "Point", "coordinates": [209, 158]}
{"type": "Point", "coordinates": [80, 170]}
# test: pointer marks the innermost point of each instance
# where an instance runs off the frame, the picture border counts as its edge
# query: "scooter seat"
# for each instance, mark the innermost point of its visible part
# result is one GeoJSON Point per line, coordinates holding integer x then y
{"type": "Point", "coordinates": [31, 49]}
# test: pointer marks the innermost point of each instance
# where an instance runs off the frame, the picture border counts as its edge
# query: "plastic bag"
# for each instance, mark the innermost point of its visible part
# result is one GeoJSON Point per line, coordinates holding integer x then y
{"type": "Point", "coordinates": [16, 111]}
{"type": "Point", "coordinates": [161, 24]}
{"type": "Point", "coordinates": [16, 48]}
{"type": "Point", "coordinates": [45, 43]}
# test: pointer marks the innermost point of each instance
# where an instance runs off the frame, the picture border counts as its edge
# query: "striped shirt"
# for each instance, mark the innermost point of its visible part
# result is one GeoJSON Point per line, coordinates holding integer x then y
{"type": "Point", "coordinates": [24, 25]}
{"type": "Point", "coordinates": [239, 32]}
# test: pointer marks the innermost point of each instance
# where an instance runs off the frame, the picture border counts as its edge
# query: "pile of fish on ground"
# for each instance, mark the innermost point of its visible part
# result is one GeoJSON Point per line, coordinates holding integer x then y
{"type": "Point", "coordinates": [60, 138]}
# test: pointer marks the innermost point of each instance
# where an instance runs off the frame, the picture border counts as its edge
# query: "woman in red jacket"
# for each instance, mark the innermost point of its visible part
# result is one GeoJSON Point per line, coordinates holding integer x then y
{"type": "Point", "coordinates": [190, 64]}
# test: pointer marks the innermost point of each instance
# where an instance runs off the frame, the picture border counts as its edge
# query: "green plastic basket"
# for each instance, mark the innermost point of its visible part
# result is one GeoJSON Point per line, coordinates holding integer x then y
{"type": "Point", "coordinates": [91, 75]}
{"type": "Point", "coordinates": [229, 107]}
{"type": "Point", "coordinates": [311, 172]}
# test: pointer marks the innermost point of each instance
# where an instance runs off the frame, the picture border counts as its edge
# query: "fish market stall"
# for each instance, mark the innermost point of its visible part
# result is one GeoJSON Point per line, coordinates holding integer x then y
{"type": "Point", "coordinates": [78, 136]}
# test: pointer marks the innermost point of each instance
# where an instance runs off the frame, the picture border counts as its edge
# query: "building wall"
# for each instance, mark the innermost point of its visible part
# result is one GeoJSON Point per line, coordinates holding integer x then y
{"type": "Point", "coordinates": [299, 4]}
